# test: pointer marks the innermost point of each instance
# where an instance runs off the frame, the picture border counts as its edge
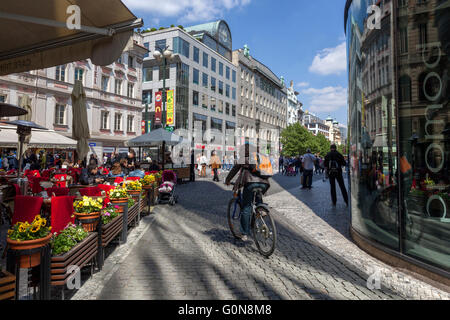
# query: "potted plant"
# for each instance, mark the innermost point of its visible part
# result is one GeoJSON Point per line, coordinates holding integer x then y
{"type": "Point", "coordinates": [86, 210]}
{"type": "Point", "coordinates": [26, 236]}
{"type": "Point", "coordinates": [112, 224]}
{"type": "Point", "coordinates": [119, 196]}
{"type": "Point", "coordinates": [73, 246]}
{"type": "Point", "coordinates": [67, 239]}
{"type": "Point", "coordinates": [109, 214]}
{"type": "Point", "coordinates": [148, 181]}
{"type": "Point", "coordinates": [133, 187]}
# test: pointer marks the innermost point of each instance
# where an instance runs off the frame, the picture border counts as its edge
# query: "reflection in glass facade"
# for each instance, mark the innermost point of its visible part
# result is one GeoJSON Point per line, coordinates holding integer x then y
{"type": "Point", "coordinates": [399, 90]}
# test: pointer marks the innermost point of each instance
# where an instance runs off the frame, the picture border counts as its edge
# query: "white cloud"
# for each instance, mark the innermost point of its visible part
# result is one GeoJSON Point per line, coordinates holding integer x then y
{"type": "Point", "coordinates": [330, 61]}
{"type": "Point", "coordinates": [186, 10]}
{"type": "Point", "coordinates": [328, 99]}
{"type": "Point", "coordinates": [302, 84]}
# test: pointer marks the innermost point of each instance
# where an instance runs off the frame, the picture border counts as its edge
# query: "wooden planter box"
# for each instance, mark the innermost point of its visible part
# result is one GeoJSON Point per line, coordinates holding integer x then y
{"type": "Point", "coordinates": [133, 212]}
{"type": "Point", "coordinates": [79, 256]}
{"type": "Point", "coordinates": [7, 285]}
{"type": "Point", "coordinates": [111, 230]}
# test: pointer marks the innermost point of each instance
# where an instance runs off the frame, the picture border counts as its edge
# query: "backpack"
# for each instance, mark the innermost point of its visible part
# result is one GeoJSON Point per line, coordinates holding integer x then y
{"type": "Point", "coordinates": [333, 167]}
{"type": "Point", "coordinates": [263, 167]}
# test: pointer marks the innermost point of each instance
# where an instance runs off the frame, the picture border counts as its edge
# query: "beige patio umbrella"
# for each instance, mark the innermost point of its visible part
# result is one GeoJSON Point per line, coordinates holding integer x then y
{"type": "Point", "coordinates": [25, 103]}
{"type": "Point", "coordinates": [80, 126]}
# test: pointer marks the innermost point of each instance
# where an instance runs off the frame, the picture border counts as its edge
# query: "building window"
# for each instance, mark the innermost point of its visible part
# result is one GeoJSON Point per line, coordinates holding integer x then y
{"type": "Point", "coordinates": [160, 44]}
{"type": "Point", "coordinates": [233, 110]}
{"type": "Point", "coordinates": [204, 101]}
{"type": "Point", "coordinates": [227, 108]}
{"type": "Point", "coordinates": [205, 80]}
{"type": "Point", "coordinates": [105, 120]}
{"type": "Point", "coordinates": [233, 95]}
{"type": "Point", "coordinates": [220, 106]}
{"type": "Point", "coordinates": [105, 82]}
{"type": "Point", "coordinates": [227, 74]}
{"type": "Point", "coordinates": [118, 87]}
{"type": "Point", "coordinates": [196, 76]}
{"type": "Point", "coordinates": [227, 90]}
{"type": "Point", "coordinates": [423, 34]}
{"type": "Point", "coordinates": [130, 123]}
{"type": "Point", "coordinates": [403, 40]}
{"type": "Point", "coordinates": [148, 74]}
{"type": "Point", "coordinates": [61, 73]}
{"type": "Point", "coordinates": [196, 55]}
{"type": "Point", "coordinates": [60, 114]}
{"type": "Point", "coordinates": [79, 73]}
{"type": "Point", "coordinates": [181, 46]}
{"type": "Point", "coordinates": [213, 104]}
{"type": "Point", "coordinates": [195, 98]}
{"type": "Point", "coordinates": [130, 90]}
{"type": "Point", "coordinates": [234, 76]}
{"type": "Point", "coordinates": [220, 87]}
{"type": "Point", "coordinates": [216, 124]}
{"type": "Point", "coordinates": [147, 46]}
{"type": "Point", "coordinates": [147, 96]}
{"type": "Point", "coordinates": [130, 62]}
{"type": "Point", "coordinates": [2, 98]}
{"type": "Point", "coordinates": [205, 59]}
{"type": "Point", "coordinates": [213, 84]}
{"type": "Point", "coordinates": [213, 64]}
{"type": "Point", "coordinates": [118, 122]}
{"type": "Point", "coordinates": [221, 69]}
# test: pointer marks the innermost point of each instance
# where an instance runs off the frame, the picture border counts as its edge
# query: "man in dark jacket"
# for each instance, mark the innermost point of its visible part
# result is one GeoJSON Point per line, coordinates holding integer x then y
{"type": "Point", "coordinates": [334, 161]}
{"type": "Point", "coordinates": [91, 175]}
{"type": "Point", "coordinates": [249, 180]}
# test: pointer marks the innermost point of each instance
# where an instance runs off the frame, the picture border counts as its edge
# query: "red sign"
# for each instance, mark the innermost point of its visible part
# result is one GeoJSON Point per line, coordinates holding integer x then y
{"type": "Point", "coordinates": [158, 108]}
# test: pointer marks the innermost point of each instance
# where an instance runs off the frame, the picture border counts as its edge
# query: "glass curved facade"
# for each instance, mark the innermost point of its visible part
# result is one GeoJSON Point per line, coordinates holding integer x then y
{"type": "Point", "coordinates": [398, 55]}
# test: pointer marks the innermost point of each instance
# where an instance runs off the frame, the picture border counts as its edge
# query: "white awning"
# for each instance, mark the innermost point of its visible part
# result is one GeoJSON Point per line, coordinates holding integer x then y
{"type": "Point", "coordinates": [39, 139]}
{"type": "Point", "coordinates": [35, 35]}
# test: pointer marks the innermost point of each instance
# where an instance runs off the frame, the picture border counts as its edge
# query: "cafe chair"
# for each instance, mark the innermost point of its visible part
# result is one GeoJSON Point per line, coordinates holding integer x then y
{"type": "Point", "coordinates": [26, 208]}
{"type": "Point", "coordinates": [60, 180]}
{"type": "Point", "coordinates": [91, 192]}
{"type": "Point", "coordinates": [61, 212]}
{"type": "Point", "coordinates": [133, 179]}
{"type": "Point", "coordinates": [57, 192]}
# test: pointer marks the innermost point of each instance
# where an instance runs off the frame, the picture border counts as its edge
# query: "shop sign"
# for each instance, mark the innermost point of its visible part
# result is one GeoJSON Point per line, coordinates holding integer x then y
{"type": "Point", "coordinates": [170, 108]}
{"type": "Point", "coordinates": [108, 149]}
{"type": "Point", "coordinates": [158, 107]}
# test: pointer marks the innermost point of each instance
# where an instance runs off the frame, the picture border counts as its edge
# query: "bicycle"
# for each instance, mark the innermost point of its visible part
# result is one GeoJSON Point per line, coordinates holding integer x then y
{"type": "Point", "coordinates": [262, 224]}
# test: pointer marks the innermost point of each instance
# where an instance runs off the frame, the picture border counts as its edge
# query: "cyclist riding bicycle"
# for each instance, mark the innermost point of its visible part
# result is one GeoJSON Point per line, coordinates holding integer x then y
{"type": "Point", "coordinates": [250, 179]}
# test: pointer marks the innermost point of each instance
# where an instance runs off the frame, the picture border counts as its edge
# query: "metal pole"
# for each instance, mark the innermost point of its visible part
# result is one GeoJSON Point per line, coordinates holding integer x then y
{"type": "Point", "coordinates": [146, 117]}
{"type": "Point", "coordinates": [164, 94]}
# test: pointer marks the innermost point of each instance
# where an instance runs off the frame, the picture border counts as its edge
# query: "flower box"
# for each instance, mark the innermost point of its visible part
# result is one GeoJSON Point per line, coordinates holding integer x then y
{"type": "Point", "coordinates": [7, 285]}
{"type": "Point", "coordinates": [78, 256]}
{"type": "Point", "coordinates": [133, 212]}
{"type": "Point", "coordinates": [33, 259]}
{"type": "Point", "coordinates": [111, 230]}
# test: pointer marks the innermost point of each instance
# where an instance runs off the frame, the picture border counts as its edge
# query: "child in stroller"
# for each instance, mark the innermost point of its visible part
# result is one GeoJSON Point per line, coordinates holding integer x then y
{"type": "Point", "coordinates": [167, 188]}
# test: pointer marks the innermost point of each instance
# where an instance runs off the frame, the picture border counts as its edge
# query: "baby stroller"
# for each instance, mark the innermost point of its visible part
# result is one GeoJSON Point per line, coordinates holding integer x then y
{"type": "Point", "coordinates": [167, 188]}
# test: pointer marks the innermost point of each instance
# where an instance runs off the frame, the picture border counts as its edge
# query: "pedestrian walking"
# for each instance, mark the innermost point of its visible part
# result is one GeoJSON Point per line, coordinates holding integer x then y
{"type": "Point", "coordinates": [203, 163]}
{"type": "Point", "coordinates": [308, 169]}
{"type": "Point", "coordinates": [215, 165]}
{"type": "Point", "coordinates": [281, 165]}
{"type": "Point", "coordinates": [334, 162]}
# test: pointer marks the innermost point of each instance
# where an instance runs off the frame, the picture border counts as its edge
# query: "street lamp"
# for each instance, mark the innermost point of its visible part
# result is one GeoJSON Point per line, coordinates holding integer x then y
{"type": "Point", "coordinates": [164, 55]}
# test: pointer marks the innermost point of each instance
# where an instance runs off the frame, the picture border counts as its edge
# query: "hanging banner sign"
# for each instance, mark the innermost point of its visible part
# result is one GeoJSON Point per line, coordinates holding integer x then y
{"type": "Point", "coordinates": [170, 108]}
{"type": "Point", "coordinates": [158, 108]}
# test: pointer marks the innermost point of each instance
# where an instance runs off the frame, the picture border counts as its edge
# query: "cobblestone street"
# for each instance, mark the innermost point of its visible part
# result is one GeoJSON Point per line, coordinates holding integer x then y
{"type": "Point", "coordinates": [187, 252]}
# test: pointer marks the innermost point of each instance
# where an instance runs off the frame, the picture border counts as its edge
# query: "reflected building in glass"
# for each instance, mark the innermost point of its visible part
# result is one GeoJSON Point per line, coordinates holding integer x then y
{"type": "Point", "coordinates": [399, 90]}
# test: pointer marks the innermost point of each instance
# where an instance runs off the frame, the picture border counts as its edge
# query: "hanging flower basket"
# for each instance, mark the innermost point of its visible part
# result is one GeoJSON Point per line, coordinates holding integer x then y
{"type": "Point", "coordinates": [30, 260]}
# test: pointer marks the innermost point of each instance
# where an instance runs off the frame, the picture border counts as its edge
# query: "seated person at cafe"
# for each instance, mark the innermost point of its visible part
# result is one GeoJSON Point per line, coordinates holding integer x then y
{"type": "Point", "coordinates": [116, 171]}
{"type": "Point", "coordinates": [124, 165]}
{"type": "Point", "coordinates": [137, 172]}
{"type": "Point", "coordinates": [154, 166]}
{"type": "Point", "coordinates": [91, 175]}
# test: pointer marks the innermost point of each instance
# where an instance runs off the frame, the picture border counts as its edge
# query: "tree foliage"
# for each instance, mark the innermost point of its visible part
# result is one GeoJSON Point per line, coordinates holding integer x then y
{"type": "Point", "coordinates": [296, 139]}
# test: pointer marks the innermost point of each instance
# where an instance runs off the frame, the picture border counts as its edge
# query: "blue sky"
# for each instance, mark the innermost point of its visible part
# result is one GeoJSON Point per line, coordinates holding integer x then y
{"type": "Point", "coordinates": [302, 40]}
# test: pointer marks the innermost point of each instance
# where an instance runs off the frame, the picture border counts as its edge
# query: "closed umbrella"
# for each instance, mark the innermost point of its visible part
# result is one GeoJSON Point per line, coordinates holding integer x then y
{"type": "Point", "coordinates": [80, 126]}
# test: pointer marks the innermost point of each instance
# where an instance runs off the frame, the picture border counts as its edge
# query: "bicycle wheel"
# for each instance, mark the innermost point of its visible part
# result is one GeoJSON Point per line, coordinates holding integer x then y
{"type": "Point", "coordinates": [234, 218]}
{"type": "Point", "coordinates": [264, 232]}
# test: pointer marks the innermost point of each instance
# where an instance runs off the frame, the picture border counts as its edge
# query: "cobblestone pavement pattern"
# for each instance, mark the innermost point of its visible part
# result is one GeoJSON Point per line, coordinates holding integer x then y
{"type": "Point", "coordinates": [187, 252]}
